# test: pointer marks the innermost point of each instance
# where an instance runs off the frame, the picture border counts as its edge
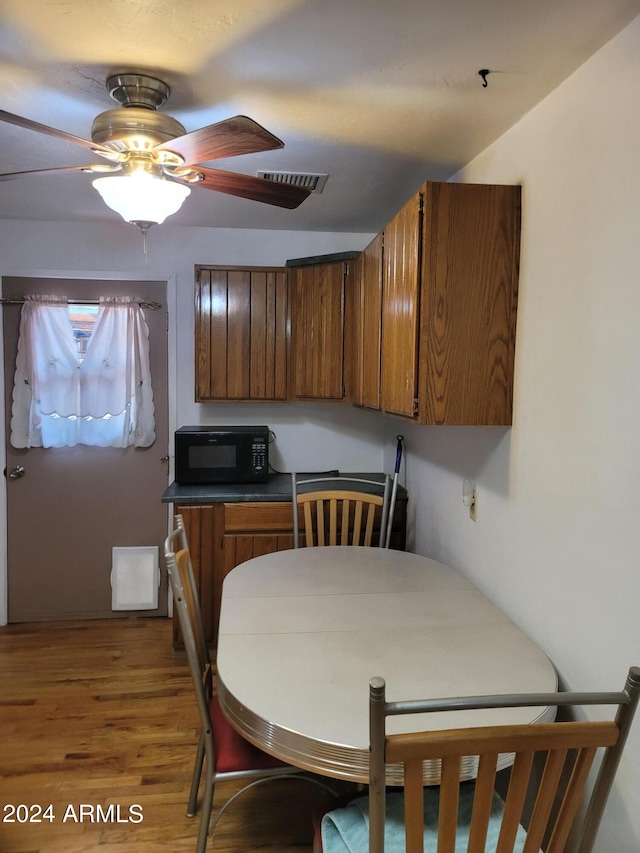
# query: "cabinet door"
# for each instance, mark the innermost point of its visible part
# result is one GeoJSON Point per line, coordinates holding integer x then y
{"type": "Point", "coordinates": [400, 310]}
{"type": "Point", "coordinates": [469, 301]}
{"type": "Point", "coordinates": [241, 334]}
{"type": "Point", "coordinates": [200, 524]}
{"type": "Point", "coordinates": [363, 343]}
{"type": "Point", "coordinates": [317, 326]}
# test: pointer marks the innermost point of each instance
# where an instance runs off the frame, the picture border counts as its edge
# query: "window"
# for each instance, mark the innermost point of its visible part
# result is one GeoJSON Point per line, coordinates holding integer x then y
{"type": "Point", "coordinates": [82, 318]}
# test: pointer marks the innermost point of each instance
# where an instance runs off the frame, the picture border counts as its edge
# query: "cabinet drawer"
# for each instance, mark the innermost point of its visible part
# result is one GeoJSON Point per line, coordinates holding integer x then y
{"type": "Point", "coordinates": [258, 515]}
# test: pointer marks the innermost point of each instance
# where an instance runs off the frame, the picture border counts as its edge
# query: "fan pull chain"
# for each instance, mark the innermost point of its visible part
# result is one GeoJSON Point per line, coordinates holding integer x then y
{"type": "Point", "coordinates": [144, 230]}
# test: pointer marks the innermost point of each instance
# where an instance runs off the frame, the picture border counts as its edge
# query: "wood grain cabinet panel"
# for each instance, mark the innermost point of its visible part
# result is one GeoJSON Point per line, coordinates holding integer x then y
{"type": "Point", "coordinates": [241, 333]}
{"type": "Point", "coordinates": [400, 310]}
{"type": "Point", "coordinates": [470, 263]}
{"type": "Point", "coordinates": [449, 305]}
{"type": "Point", "coordinates": [317, 331]}
{"type": "Point", "coordinates": [421, 324]}
{"type": "Point", "coordinates": [363, 318]}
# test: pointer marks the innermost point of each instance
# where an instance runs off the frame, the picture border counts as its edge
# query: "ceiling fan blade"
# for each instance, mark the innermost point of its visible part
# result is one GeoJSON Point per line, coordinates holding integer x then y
{"type": "Point", "coordinates": [27, 123]}
{"type": "Point", "coordinates": [97, 169]}
{"type": "Point", "coordinates": [228, 138]}
{"type": "Point", "coordinates": [246, 186]}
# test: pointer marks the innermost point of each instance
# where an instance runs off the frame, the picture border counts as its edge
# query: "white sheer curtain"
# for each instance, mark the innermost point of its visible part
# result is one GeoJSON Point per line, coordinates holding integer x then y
{"type": "Point", "coordinates": [105, 400]}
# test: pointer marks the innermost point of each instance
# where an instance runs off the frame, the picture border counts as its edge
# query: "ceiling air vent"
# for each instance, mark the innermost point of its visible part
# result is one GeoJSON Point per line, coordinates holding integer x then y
{"type": "Point", "coordinates": [314, 183]}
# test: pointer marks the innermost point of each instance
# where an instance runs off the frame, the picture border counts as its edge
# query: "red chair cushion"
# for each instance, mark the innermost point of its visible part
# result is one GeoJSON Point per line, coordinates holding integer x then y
{"type": "Point", "coordinates": [233, 752]}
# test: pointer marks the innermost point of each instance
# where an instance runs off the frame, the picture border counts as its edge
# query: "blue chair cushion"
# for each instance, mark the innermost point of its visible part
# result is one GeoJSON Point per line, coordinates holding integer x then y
{"type": "Point", "coordinates": [346, 830]}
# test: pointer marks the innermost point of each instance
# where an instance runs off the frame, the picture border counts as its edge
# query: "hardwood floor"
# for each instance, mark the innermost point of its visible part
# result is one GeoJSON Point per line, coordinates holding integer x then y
{"type": "Point", "coordinates": [101, 714]}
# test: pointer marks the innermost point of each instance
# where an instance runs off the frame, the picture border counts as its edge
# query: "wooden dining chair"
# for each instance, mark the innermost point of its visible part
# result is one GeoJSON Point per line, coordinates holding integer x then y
{"type": "Point", "coordinates": [343, 514]}
{"type": "Point", "coordinates": [469, 815]}
{"type": "Point", "coordinates": [226, 753]}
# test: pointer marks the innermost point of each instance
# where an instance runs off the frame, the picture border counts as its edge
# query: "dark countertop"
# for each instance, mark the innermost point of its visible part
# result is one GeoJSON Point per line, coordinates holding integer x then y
{"type": "Point", "coordinates": [277, 488]}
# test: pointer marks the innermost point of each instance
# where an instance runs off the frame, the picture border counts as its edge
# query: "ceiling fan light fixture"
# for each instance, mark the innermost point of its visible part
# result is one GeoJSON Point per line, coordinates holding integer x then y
{"type": "Point", "coordinates": [141, 196]}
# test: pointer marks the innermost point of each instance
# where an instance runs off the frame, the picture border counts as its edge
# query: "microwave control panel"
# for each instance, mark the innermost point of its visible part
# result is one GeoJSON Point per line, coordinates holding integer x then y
{"type": "Point", "coordinates": [258, 455]}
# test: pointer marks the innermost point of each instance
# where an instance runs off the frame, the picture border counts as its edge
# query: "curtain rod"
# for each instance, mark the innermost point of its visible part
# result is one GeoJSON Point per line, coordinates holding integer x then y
{"type": "Point", "coordinates": [19, 300]}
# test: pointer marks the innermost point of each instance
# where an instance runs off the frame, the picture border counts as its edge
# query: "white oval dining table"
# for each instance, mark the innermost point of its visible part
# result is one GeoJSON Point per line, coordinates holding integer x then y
{"type": "Point", "coordinates": [303, 631]}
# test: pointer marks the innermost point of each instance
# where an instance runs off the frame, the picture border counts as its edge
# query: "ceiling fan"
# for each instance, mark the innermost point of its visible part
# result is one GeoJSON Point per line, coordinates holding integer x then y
{"type": "Point", "coordinates": [153, 161]}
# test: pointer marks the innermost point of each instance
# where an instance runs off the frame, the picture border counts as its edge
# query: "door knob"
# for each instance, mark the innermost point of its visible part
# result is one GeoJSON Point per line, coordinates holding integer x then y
{"type": "Point", "coordinates": [16, 472]}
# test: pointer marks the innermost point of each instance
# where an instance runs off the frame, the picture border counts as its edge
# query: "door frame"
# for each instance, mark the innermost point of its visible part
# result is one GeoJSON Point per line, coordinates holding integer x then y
{"type": "Point", "coordinates": [170, 280]}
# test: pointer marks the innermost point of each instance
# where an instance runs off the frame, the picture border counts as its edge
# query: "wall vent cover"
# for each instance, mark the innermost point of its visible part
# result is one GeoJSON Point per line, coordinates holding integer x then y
{"type": "Point", "coordinates": [313, 182]}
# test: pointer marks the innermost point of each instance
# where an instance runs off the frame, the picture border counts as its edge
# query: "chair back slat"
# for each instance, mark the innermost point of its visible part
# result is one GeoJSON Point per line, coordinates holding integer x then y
{"type": "Point", "coordinates": [308, 525]}
{"type": "Point", "coordinates": [572, 799]}
{"type": "Point", "coordinates": [357, 520]}
{"type": "Point", "coordinates": [344, 515]}
{"type": "Point", "coordinates": [369, 530]}
{"type": "Point", "coordinates": [568, 748]}
{"type": "Point", "coordinates": [344, 525]}
{"type": "Point", "coordinates": [482, 802]}
{"type": "Point", "coordinates": [414, 817]}
{"type": "Point", "coordinates": [449, 803]}
{"type": "Point", "coordinates": [333, 522]}
{"type": "Point", "coordinates": [545, 799]}
{"type": "Point", "coordinates": [516, 795]}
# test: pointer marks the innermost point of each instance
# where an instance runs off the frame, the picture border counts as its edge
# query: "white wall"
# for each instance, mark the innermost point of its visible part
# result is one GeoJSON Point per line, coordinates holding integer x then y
{"type": "Point", "coordinates": [557, 541]}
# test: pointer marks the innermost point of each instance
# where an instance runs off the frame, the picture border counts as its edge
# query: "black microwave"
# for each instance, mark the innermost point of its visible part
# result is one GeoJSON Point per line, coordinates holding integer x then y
{"type": "Point", "coordinates": [212, 454]}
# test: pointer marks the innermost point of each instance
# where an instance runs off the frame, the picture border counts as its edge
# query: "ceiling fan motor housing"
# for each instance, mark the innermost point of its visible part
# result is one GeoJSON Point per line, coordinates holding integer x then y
{"type": "Point", "coordinates": [134, 129]}
{"type": "Point", "coordinates": [137, 90]}
{"type": "Point", "coordinates": [135, 126]}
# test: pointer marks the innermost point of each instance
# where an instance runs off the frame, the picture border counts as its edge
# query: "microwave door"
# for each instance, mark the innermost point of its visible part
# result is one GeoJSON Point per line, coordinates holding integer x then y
{"type": "Point", "coordinates": [214, 458]}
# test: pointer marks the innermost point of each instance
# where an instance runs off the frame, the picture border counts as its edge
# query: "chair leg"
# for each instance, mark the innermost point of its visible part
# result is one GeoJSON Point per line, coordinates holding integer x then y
{"type": "Point", "coordinates": [205, 818]}
{"type": "Point", "coordinates": [192, 806]}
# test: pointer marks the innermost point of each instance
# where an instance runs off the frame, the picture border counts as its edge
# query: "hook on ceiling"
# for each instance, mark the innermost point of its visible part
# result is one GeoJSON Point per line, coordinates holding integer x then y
{"type": "Point", "coordinates": [484, 73]}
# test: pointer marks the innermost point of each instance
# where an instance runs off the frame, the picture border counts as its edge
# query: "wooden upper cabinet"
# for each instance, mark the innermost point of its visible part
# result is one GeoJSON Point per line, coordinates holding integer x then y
{"type": "Point", "coordinates": [420, 324]}
{"type": "Point", "coordinates": [241, 333]}
{"type": "Point", "coordinates": [363, 326]}
{"type": "Point", "coordinates": [400, 309]}
{"type": "Point", "coordinates": [450, 289]}
{"type": "Point", "coordinates": [469, 293]}
{"type": "Point", "coordinates": [317, 330]}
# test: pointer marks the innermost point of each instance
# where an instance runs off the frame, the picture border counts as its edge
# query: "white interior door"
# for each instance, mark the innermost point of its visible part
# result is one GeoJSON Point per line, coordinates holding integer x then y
{"type": "Point", "coordinates": [68, 507]}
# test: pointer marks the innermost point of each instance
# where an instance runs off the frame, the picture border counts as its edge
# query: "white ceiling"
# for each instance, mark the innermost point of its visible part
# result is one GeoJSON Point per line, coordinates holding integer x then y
{"type": "Point", "coordinates": [380, 95]}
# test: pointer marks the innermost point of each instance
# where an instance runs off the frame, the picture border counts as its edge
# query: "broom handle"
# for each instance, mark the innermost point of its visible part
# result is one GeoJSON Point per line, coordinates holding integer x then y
{"type": "Point", "coordinates": [394, 491]}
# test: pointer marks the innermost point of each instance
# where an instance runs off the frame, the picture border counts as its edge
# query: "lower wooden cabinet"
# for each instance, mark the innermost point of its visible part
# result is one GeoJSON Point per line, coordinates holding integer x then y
{"type": "Point", "coordinates": [223, 535]}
